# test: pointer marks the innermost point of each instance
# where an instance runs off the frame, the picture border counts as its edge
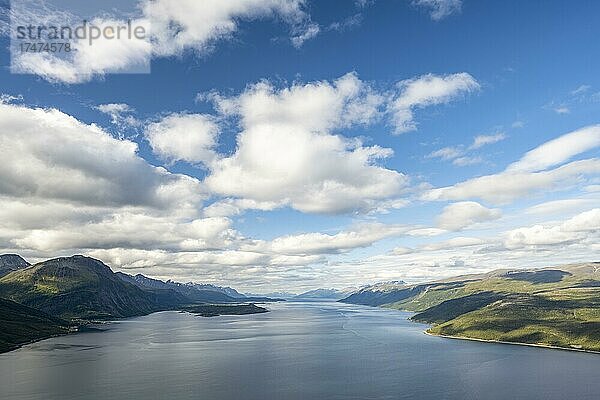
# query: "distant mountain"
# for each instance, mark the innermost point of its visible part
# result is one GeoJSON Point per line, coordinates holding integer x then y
{"type": "Point", "coordinates": [557, 306]}
{"type": "Point", "coordinates": [182, 293]}
{"type": "Point", "coordinates": [190, 292]}
{"type": "Point", "coordinates": [20, 324]}
{"type": "Point", "coordinates": [76, 287]}
{"type": "Point", "coordinates": [160, 293]}
{"type": "Point", "coordinates": [333, 294]}
{"type": "Point", "coordinates": [11, 262]}
{"type": "Point", "coordinates": [382, 293]}
{"type": "Point", "coordinates": [231, 292]}
{"type": "Point", "coordinates": [271, 295]}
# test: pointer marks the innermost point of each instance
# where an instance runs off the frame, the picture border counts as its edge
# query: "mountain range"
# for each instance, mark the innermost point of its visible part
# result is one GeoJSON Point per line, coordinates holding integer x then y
{"type": "Point", "coordinates": [557, 306]}
{"type": "Point", "coordinates": [322, 294]}
{"type": "Point", "coordinates": [52, 296]}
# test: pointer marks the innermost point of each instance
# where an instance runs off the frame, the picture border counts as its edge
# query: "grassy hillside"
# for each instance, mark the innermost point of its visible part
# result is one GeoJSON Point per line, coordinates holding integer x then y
{"type": "Point", "coordinates": [20, 324]}
{"type": "Point", "coordinates": [554, 306]}
{"type": "Point", "coordinates": [568, 318]}
{"type": "Point", "coordinates": [75, 287]}
{"type": "Point", "coordinates": [36, 300]}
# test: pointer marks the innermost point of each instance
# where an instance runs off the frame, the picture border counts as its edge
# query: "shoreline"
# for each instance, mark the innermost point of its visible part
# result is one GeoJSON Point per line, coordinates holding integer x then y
{"type": "Point", "coordinates": [543, 346]}
{"type": "Point", "coordinates": [83, 326]}
{"type": "Point", "coordinates": [20, 345]}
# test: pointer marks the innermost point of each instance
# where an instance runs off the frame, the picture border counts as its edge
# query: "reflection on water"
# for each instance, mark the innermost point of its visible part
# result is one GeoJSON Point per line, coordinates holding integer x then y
{"type": "Point", "coordinates": [297, 351]}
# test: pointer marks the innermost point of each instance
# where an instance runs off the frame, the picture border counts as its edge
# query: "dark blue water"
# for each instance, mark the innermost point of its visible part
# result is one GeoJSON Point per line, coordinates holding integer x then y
{"type": "Point", "coordinates": [297, 351]}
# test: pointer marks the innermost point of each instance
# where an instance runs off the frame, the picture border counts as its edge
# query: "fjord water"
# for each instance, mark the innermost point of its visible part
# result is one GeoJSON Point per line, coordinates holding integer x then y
{"type": "Point", "coordinates": [312, 350]}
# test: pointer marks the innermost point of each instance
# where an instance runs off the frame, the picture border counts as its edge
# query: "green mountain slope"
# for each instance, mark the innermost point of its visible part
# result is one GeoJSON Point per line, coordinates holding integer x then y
{"type": "Point", "coordinates": [76, 287]}
{"type": "Point", "coordinates": [20, 324]}
{"type": "Point", "coordinates": [552, 306]}
{"type": "Point", "coordinates": [567, 318]}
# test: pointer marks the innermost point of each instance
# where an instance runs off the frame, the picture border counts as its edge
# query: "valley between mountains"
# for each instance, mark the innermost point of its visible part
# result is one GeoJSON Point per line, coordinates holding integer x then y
{"type": "Point", "coordinates": [554, 307]}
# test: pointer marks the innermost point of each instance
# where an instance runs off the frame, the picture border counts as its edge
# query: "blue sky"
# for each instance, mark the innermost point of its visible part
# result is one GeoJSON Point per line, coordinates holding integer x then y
{"type": "Point", "coordinates": [513, 74]}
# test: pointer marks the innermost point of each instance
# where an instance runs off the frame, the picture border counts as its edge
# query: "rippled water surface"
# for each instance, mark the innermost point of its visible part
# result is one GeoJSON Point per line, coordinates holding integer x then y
{"type": "Point", "coordinates": [296, 351]}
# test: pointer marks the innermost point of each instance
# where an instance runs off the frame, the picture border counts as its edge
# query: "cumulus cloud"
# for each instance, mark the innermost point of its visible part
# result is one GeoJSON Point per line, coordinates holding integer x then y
{"type": "Point", "coordinates": [578, 228]}
{"type": "Point", "coordinates": [120, 115]}
{"type": "Point", "coordinates": [172, 27]}
{"type": "Point", "coordinates": [547, 244]}
{"type": "Point", "coordinates": [185, 137]}
{"type": "Point", "coordinates": [69, 187]}
{"type": "Point", "coordinates": [49, 154]}
{"type": "Point", "coordinates": [321, 243]}
{"type": "Point", "coordinates": [464, 214]}
{"type": "Point", "coordinates": [424, 91]}
{"type": "Point", "coordinates": [288, 152]}
{"type": "Point", "coordinates": [187, 24]}
{"type": "Point", "coordinates": [87, 60]}
{"type": "Point", "coordinates": [440, 9]}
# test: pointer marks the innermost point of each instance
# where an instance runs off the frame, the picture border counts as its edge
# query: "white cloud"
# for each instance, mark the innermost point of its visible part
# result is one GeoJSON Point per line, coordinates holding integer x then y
{"type": "Point", "coordinates": [548, 244]}
{"type": "Point", "coordinates": [531, 172]}
{"type": "Point", "coordinates": [120, 115]}
{"type": "Point", "coordinates": [461, 155]}
{"type": "Point", "coordinates": [426, 232]}
{"type": "Point", "coordinates": [114, 109]}
{"type": "Point", "coordinates": [560, 206]}
{"type": "Point", "coordinates": [87, 60]}
{"type": "Point", "coordinates": [186, 137]}
{"type": "Point", "coordinates": [287, 152]}
{"type": "Point", "coordinates": [464, 214]}
{"type": "Point", "coordinates": [440, 9]}
{"type": "Point", "coordinates": [578, 228]}
{"type": "Point", "coordinates": [188, 24]}
{"type": "Point", "coordinates": [68, 185]}
{"type": "Point", "coordinates": [8, 98]}
{"type": "Point", "coordinates": [172, 27]}
{"type": "Point", "coordinates": [453, 244]}
{"type": "Point", "coordinates": [483, 140]}
{"type": "Point", "coordinates": [465, 161]}
{"type": "Point", "coordinates": [424, 91]}
{"type": "Point", "coordinates": [559, 150]}
{"type": "Point", "coordinates": [446, 153]}
{"type": "Point", "coordinates": [321, 243]}
{"type": "Point", "coordinates": [311, 31]}
{"type": "Point", "coordinates": [49, 154]}
{"type": "Point", "coordinates": [508, 186]}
